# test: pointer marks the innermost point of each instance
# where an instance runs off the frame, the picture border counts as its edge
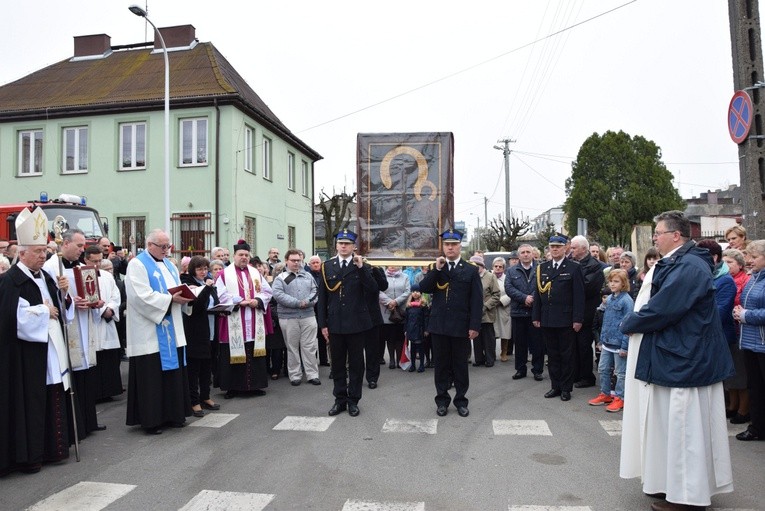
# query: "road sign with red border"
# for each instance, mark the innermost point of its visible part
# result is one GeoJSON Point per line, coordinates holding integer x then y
{"type": "Point", "coordinates": [740, 114]}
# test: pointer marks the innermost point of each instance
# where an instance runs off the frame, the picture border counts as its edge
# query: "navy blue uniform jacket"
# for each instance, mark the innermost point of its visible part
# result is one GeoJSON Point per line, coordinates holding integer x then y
{"type": "Point", "coordinates": [563, 304]}
{"type": "Point", "coordinates": [457, 299]}
{"type": "Point", "coordinates": [343, 304]}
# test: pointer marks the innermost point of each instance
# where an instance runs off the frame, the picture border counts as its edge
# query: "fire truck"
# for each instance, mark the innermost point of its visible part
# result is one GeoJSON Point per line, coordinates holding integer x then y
{"type": "Point", "coordinates": [77, 215]}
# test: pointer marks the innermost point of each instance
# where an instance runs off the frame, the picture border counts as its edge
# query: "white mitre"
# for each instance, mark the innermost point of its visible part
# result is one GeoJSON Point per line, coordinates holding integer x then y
{"type": "Point", "coordinates": [32, 227]}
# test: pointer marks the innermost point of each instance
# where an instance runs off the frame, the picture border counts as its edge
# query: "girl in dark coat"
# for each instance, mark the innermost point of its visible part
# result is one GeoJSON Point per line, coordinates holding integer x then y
{"type": "Point", "coordinates": [199, 328]}
{"type": "Point", "coordinates": [414, 326]}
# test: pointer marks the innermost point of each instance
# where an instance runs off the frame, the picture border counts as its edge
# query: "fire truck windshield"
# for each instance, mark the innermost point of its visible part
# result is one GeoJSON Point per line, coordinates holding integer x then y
{"type": "Point", "coordinates": [76, 218]}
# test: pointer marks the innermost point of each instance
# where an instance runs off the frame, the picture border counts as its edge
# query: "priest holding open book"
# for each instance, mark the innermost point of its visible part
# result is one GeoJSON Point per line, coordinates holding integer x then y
{"type": "Point", "coordinates": [158, 392]}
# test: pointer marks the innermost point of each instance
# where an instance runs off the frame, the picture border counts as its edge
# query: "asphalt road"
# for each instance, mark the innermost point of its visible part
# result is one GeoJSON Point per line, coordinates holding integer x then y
{"type": "Point", "coordinates": [396, 452]}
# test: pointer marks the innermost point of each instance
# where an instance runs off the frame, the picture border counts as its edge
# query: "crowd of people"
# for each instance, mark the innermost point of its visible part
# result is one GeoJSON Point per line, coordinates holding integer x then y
{"type": "Point", "coordinates": [234, 322]}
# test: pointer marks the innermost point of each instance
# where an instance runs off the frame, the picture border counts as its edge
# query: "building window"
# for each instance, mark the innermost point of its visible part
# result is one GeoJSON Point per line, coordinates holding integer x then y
{"type": "Point", "coordinates": [267, 158]}
{"type": "Point", "coordinates": [249, 231]}
{"type": "Point", "coordinates": [248, 149]}
{"type": "Point", "coordinates": [192, 234]}
{"type": "Point", "coordinates": [291, 237]}
{"type": "Point", "coordinates": [132, 232]}
{"type": "Point", "coordinates": [30, 152]}
{"type": "Point", "coordinates": [291, 172]}
{"type": "Point", "coordinates": [133, 146]}
{"type": "Point", "coordinates": [75, 149]}
{"type": "Point", "coordinates": [305, 177]}
{"type": "Point", "coordinates": [193, 142]}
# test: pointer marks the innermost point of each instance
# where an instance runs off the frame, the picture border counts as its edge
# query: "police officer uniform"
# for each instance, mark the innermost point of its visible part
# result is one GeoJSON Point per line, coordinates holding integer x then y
{"type": "Point", "coordinates": [344, 312]}
{"type": "Point", "coordinates": [558, 305]}
{"type": "Point", "coordinates": [456, 308]}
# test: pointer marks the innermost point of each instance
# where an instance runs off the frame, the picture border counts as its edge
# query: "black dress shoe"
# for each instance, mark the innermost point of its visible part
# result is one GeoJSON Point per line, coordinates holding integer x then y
{"type": "Point", "coordinates": [518, 375]}
{"type": "Point", "coordinates": [565, 396]}
{"type": "Point", "coordinates": [153, 431]}
{"type": "Point", "coordinates": [353, 410]}
{"type": "Point", "coordinates": [30, 468]}
{"type": "Point", "coordinates": [538, 377]}
{"type": "Point", "coordinates": [748, 436]}
{"type": "Point", "coordinates": [740, 419]}
{"type": "Point", "coordinates": [295, 383]}
{"type": "Point", "coordinates": [258, 392]}
{"type": "Point", "coordinates": [463, 411]}
{"type": "Point", "coordinates": [208, 406]}
{"type": "Point", "coordinates": [552, 393]}
{"type": "Point", "coordinates": [477, 364]}
{"type": "Point", "coordinates": [372, 384]}
{"type": "Point", "coordinates": [178, 424]}
{"type": "Point", "coordinates": [197, 413]}
{"type": "Point", "coordinates": [583, 384]}
{"type": "Point", "coordinates": [336, 409]}
{"type": "Point", "coordinates": [230, 394]}
{"type": "Point", "coordinates": [441, 411]}
{"type": "Point", "coordinates": [314, 381]}
{"type": "Point", "coordinates": [100, 427]}
{"type": "Point", "coordinates": [392, 365]}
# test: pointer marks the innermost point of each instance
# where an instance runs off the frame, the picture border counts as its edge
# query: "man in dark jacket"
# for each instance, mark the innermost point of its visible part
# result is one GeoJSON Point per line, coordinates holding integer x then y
{"type": "Point", "coordinates": [520, 281]}
{"type": "Point", "coordinates": [593, 283]}
{"type": "Point", "coordinates": [684, 358]}
{"type": "Point", "coordinates": [372, 337]}
{"type": "Point", "coordinates": [455, 320]}
{"type": "Point", "coordinates": [558, 309]}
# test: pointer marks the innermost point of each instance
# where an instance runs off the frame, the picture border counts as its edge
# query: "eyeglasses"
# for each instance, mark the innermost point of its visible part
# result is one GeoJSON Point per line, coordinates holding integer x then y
{"type": "Point", "coordinates": [293, 260]}
{"type": "Point", "coordinates": [656, 234]}
{"type": "Point", "coordinates": [163, 247]}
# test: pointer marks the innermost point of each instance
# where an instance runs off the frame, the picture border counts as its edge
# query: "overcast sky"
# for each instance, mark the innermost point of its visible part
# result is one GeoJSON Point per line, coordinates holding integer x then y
{"type": "Point", "coordinates": [329, 70]}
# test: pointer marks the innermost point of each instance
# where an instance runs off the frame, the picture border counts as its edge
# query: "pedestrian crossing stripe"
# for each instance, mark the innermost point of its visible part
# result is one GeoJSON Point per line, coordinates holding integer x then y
{"type": "Point", "coordinates": [214, 420]}
{"type": "Point", "coordinates": [296, 423]}
{"type": "Point", "coordinates": [612, 427]}
{"type": "Point", "coordinates": [521, 427]}
{"type": "Point", "coordinates": [428, 426]}
{"type": "Point", "coordinates": [84, 496]}
{"type": "Point", "coordinates": [362, 505]}
{"type": "Point", "coordinates": [94, 496]}
{"type": "Point", "coordinates": [549, 508]}
{"type": "Point", "coordinates": [209, 500]}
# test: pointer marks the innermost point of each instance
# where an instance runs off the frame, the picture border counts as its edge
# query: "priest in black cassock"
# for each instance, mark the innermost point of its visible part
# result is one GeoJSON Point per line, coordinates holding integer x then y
{"type": "Point", "coordinates": [34, 375]}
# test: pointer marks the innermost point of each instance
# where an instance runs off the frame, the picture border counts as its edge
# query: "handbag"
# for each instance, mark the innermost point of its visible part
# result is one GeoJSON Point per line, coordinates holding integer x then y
{"type": "Point", "coordinates": [396, 316]}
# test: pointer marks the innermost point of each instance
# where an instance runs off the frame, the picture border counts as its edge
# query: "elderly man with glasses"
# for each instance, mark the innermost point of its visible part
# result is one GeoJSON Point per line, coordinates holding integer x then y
{"type": "Point", "coordinates": [682, 361]}
{"type": "Point", "coordinates": [158, 392]}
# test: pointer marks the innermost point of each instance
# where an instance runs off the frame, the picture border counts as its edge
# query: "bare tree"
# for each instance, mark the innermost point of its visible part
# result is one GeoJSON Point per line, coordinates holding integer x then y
{"type": "Point", "coordinates": [503, 235]}
{"type": "Point", "coordinates": [336, 213]}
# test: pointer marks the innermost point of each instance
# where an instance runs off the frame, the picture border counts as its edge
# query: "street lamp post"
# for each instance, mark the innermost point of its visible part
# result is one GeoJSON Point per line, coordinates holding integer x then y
{"type": "Point", "coordinates": [138, 11]}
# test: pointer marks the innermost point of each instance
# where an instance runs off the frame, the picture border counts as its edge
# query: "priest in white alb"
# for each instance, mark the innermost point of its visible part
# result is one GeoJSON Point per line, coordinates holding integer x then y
{"type": "Point", "coordinates": [242, 360]}
{"type": "Point", "coordinates": [158, 390]}
{"type": "Point", "coordinates": [683, 358]}
{"type": "Point", "coordinates": [81, 323]}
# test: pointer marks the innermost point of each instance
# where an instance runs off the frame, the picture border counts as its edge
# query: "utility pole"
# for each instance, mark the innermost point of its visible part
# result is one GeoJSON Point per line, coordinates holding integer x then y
{"type": "Point", "coordinates": [485, 209]}
{"type": "Point", "coordinates": [746, 49]}
{"type": "Point", "coordinates": [505, 148]}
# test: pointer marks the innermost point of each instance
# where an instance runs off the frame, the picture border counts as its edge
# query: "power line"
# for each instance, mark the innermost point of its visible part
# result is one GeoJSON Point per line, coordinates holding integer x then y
{"type": "Point", "coordinates": [469, 68]}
